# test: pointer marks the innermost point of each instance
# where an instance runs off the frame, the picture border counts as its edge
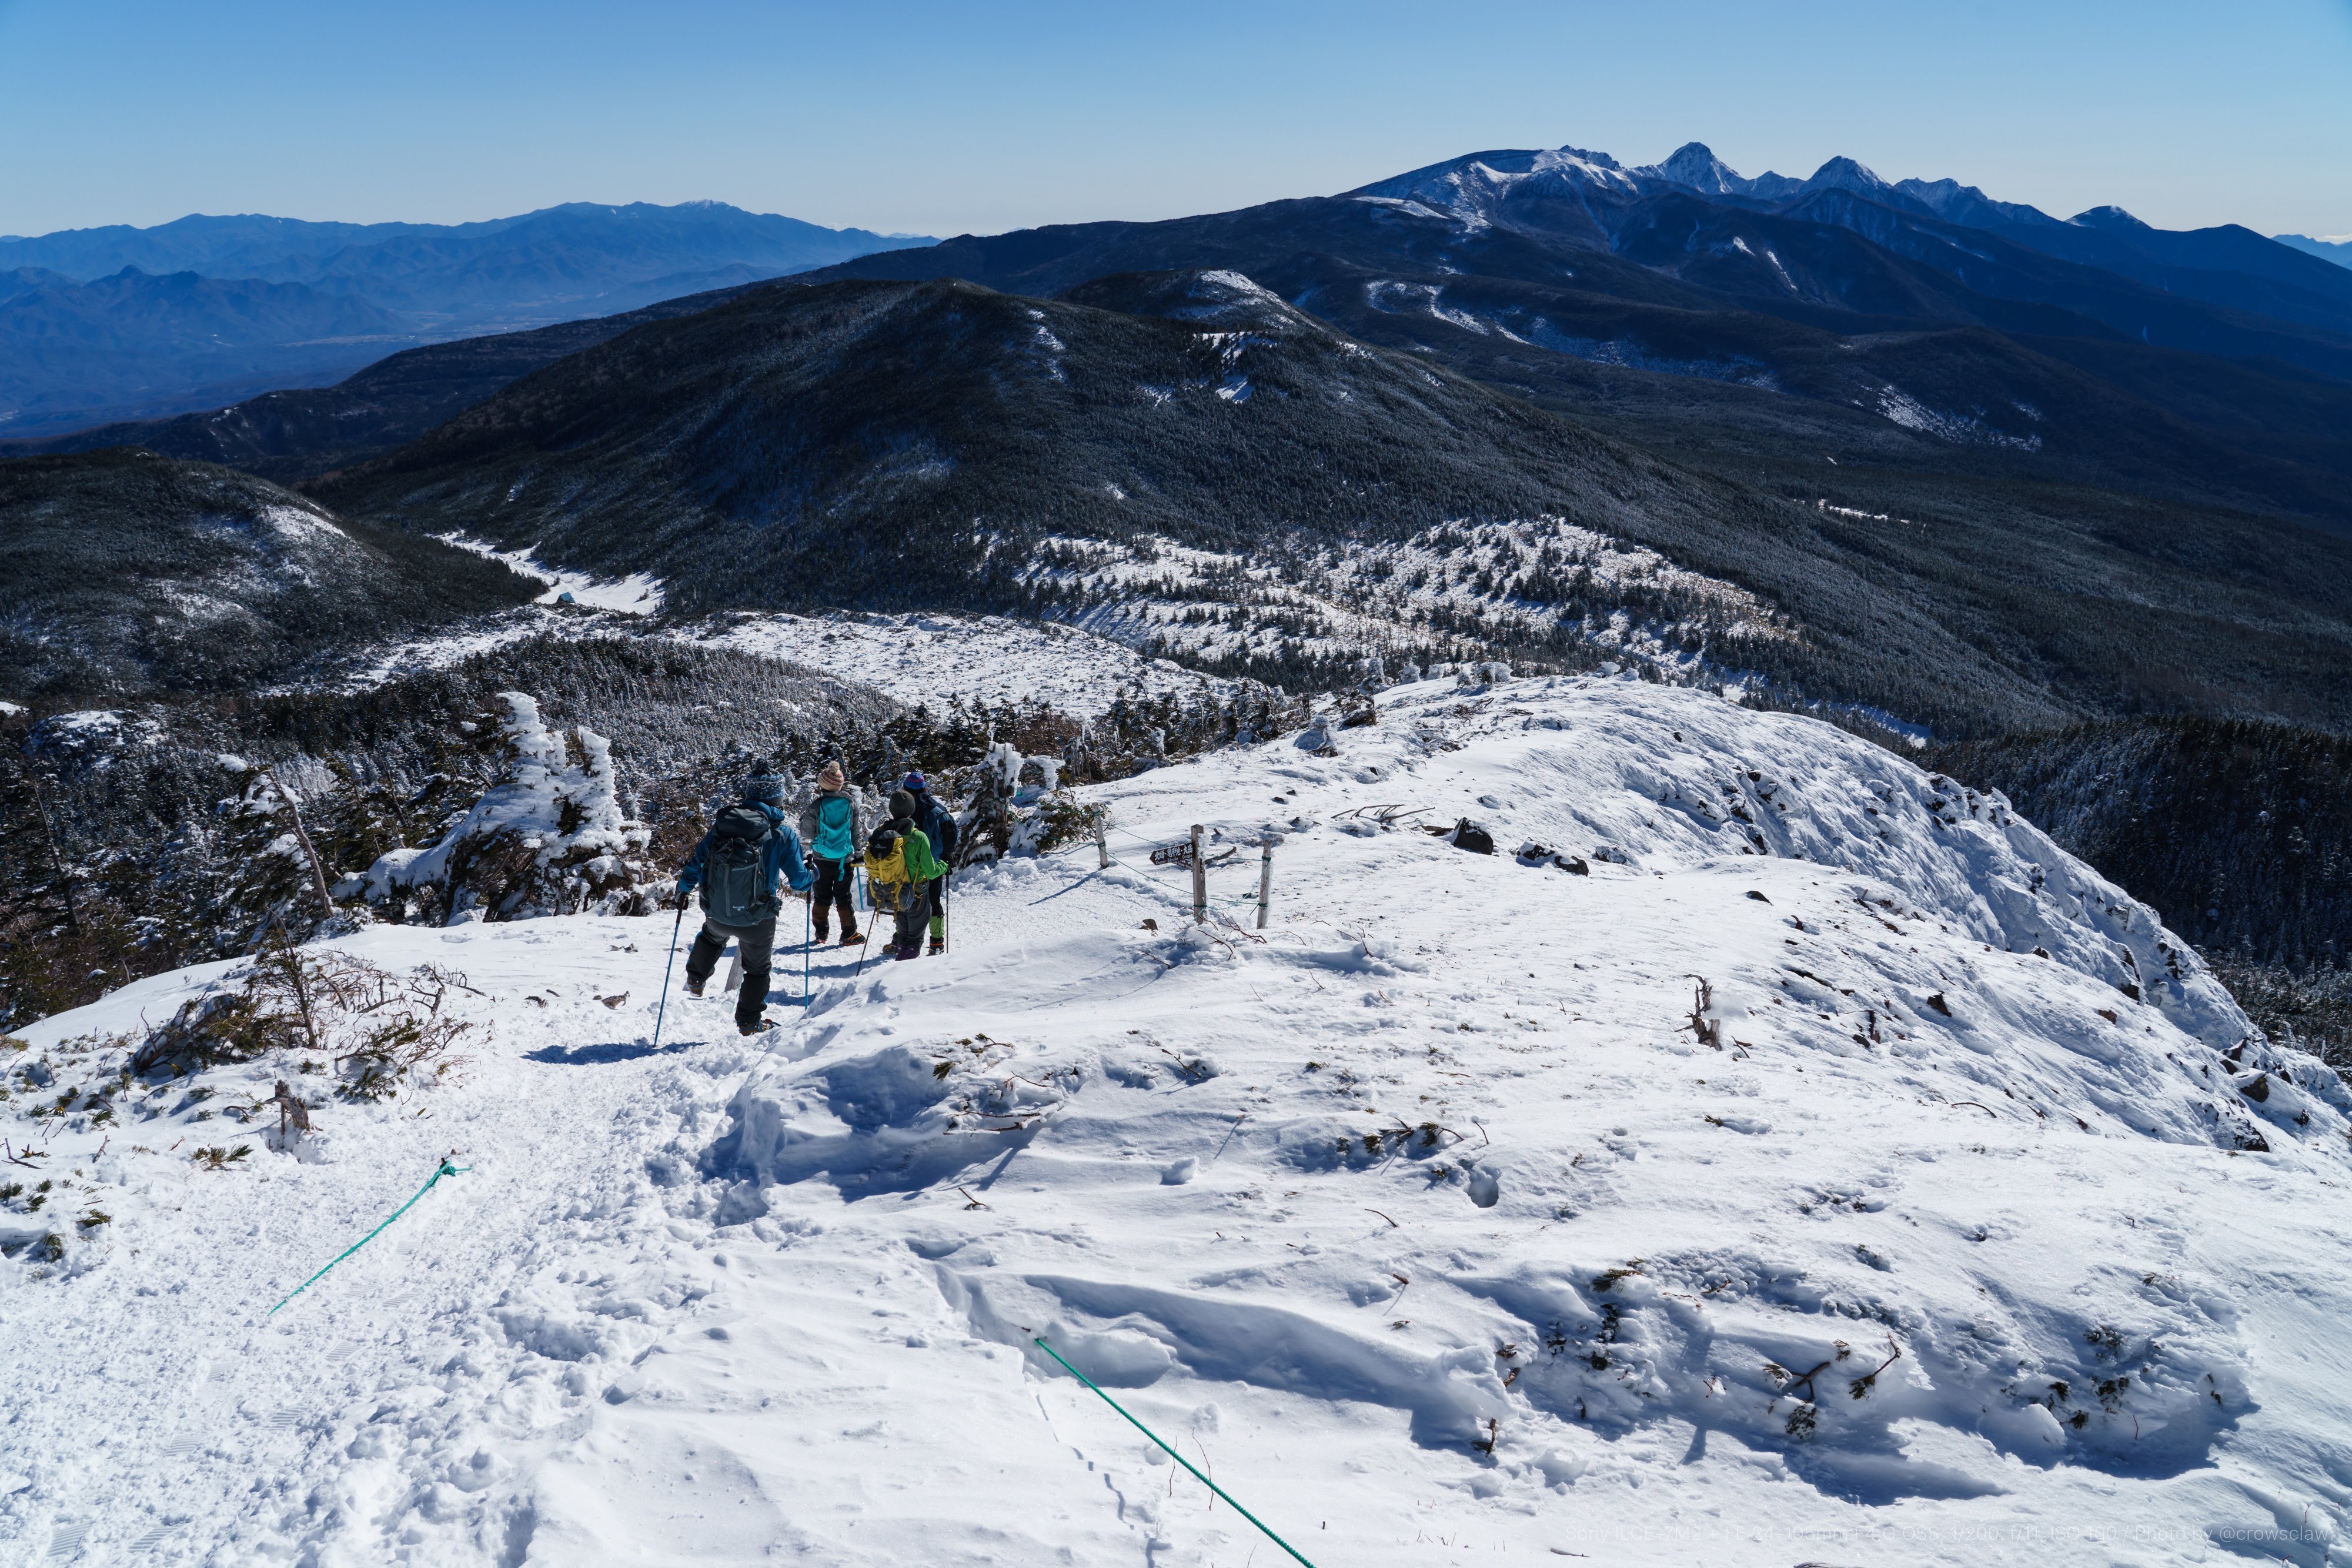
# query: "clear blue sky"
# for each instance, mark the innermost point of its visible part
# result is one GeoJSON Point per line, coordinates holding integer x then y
{"type": "Point", "coordinates": [979, 117]}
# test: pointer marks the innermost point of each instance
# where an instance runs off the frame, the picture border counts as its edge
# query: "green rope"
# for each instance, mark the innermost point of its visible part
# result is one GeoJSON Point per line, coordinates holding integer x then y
{"type": "Point", "coordinates": [447, 1169]}
{"type": "Point", "coordinates": [1172, 1453]}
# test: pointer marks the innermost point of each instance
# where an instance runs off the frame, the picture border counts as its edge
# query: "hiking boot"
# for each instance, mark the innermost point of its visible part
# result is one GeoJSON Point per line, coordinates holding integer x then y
{"type": "Point", "coordinates": [849, 937]}
{"type": "Point", "coordinates": [823, 931]}
{"type": "Point", "coordinates": [938, 945]}
{"type": "Point", "coordinates": [762, 1027]}
{"type": "Point", "coordinates": [693, 986]}
{"type": "Point", "coordinates": [905, 950]}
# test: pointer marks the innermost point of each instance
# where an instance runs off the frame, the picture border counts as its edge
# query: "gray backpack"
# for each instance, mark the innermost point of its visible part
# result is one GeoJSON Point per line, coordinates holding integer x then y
{"type": "Point", "coordinates": [735, 890]}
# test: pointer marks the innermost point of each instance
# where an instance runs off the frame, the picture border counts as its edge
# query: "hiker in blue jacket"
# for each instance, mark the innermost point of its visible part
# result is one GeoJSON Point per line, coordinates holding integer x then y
{"type": "Point", "coordinates": [739, 863]}
{"type": "Point", "coordinates": [939, 826]}
{"type": "Point", "coordinates": [835, 831]}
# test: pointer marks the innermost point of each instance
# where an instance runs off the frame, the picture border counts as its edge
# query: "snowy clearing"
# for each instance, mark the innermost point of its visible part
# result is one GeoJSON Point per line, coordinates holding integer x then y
{"type": "Point", "coordinates": [639, 594]}
{"type": "Point", "coordinates": [485, 635]}
{"type": "Point", "coordinates": [1453, 1217]}
{"type": "Point", "coordinates": [928, 658]}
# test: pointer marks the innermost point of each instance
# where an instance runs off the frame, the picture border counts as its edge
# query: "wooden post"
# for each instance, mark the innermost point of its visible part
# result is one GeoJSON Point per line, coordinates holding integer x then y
{"type": "Point", "coordinates": [1199, 881]}
{"type": "Point", "coordinates": [1102, 845]}
{"type": "Point", "coordinates": [1265, 878]}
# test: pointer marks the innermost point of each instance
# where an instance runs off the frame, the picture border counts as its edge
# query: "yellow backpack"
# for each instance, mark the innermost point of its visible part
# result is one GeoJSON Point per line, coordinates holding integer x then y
{"type": "Point", "coordinates": [886, 870]}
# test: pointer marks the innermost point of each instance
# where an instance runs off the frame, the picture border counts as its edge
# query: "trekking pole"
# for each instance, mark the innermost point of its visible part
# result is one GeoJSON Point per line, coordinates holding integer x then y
{"type": "Point", "coordinates": [808, 940]}
{"type": "Point", "coordinates": [676, 926]}
{"type": "Point", "coordinates": [870, 930]}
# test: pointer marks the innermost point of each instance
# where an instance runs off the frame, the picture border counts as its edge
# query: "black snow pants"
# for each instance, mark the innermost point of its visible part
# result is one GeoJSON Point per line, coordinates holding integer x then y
{"type": "Point", "coordinates": [756, 944]}
{"type": "Point", "coordinates": [836, 886]}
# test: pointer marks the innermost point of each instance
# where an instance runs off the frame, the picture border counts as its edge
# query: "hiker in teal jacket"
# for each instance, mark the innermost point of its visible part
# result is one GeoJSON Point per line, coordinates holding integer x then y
{"type": "Point", "coordinates": [835, 832]}
{"type": "Point", "coordinates": [900, 869]}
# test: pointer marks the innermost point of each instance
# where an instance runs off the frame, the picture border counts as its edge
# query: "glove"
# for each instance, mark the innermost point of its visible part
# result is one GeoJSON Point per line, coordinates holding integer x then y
{"type": "Point", "coordinates": [685, 885]}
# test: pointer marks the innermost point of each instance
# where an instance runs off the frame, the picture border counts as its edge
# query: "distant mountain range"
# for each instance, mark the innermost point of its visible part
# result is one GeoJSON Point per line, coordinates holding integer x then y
{"type": "Point", "coordinates": [305, 432]}
{"type": "Point", "coordinates": [2336, 248]}
{"type": "Point", "coordinates": [1837, 319]}
{"type": "Point", "coordinates": [1894, 444]}
{"type": "Point", "coordinates": [119, 322]}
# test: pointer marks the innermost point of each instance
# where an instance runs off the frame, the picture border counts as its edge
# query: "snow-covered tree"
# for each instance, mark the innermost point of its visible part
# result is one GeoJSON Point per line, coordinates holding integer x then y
{"type": "Point", "coordinates": [548, 837]}
{"type": "Point", "coordinates": [266, 874]}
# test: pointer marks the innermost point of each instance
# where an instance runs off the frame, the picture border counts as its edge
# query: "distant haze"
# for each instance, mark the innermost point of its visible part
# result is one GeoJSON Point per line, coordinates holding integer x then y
{"type": "Point", "coordinates": [931, 118]}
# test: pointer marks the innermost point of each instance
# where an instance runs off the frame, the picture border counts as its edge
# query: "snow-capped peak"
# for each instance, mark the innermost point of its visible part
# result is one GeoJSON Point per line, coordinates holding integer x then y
{"type": "Point", "coordinates": [1845, 175]}
{"type": "Point", "coordinates": [1695, 164]}
{"type": "Point", "coordinates": [1470, 189]}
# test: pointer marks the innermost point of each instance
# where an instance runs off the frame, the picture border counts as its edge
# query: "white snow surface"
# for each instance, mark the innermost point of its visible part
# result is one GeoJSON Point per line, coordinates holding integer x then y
{"type": "Point", "coordinates": [1443, 1149]}
{"type": "Point", "coordinates": [929, 658]}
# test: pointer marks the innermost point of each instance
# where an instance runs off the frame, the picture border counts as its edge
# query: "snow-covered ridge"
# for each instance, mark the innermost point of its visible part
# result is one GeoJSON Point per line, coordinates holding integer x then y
{"type": "Point", "coordinates": [1470, 190]}
{"type": "Point", "coordinates": [1475, 192]}
{"type": "Point", "coordinates": [1774, 1150]}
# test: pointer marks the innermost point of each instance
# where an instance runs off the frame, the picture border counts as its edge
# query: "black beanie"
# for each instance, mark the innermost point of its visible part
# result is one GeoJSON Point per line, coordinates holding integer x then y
{"type": "Point", "coordinates": [902, 804]}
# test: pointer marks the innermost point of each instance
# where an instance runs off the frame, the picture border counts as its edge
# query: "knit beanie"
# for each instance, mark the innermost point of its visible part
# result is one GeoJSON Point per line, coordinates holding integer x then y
{"type": "Point", "coordinates": [915, 782]}
{"type": "Point", "coordinates": [829, 777]}
{"type": "Point", "coordinates": [902, 804]}
{"type": "Point", "coordinates": [765, 785]}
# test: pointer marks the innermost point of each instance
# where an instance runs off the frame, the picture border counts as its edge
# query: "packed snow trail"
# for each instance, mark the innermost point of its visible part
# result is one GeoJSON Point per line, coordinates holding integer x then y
{"type": "Point", "coordinates": [1430, 1225]}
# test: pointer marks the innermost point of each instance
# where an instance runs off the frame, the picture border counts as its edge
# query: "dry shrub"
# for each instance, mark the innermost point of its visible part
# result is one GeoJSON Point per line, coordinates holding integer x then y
{"type": "Point", "coordinates": [379, 1028]}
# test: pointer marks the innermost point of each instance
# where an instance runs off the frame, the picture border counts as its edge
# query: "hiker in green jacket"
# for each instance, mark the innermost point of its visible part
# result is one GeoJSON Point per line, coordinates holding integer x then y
{"type": "Point", "coordinates": [899, 869]}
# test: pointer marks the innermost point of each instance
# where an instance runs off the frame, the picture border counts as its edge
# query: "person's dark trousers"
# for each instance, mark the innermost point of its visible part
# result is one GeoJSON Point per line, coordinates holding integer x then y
{"type": "Point", "coordinates": [912, 924]}
{"type": "Point", "coordinates": [836, 882]}
{"type": "Point", "coordinates": [756, 944]}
